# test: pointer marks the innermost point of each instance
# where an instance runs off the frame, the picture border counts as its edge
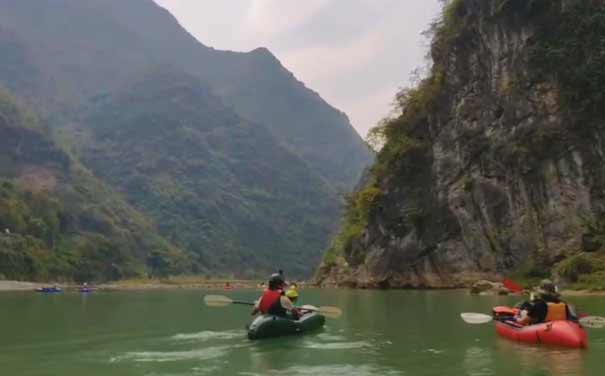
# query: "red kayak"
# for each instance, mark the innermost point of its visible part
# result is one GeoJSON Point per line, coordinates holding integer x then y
{"type": "Point", "coordinates": [559, 333]}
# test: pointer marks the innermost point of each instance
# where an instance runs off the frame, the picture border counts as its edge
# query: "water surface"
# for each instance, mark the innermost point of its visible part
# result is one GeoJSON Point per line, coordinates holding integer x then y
{"type": "Point", "coordinates": [173, 333]}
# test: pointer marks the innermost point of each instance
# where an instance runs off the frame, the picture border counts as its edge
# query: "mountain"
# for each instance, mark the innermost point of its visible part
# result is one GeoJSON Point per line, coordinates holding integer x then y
{"type": "Point", "coordinates": [59, 221]}
{"type": "Point", "coordinates": [88, 48]}
{"type": "Point", "coordinates": [231, 159]}
{"type": "Point", "coordinates": [494, 165]}
{"type": "Point", "coordinates": [216, 184]}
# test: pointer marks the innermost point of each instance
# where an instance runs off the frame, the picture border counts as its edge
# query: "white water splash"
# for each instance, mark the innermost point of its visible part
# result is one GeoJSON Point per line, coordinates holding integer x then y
{"type": "Point", "coordinates": [209, 335]}
{"type": "Point", "coordinates": [330, 337]}
{"type": "Point", "coordinates": [172, 356]}
{"type": "Point", "coordinates": [338, 345]}
{"type": "Point", "coordinates": [434, 351]}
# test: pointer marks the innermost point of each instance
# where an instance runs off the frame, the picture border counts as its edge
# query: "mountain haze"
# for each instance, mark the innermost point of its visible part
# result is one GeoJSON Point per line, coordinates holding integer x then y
{"type": "Point", "coordinates": [227, 155]}
{"type": "Point", "coordinates": [90, 47]}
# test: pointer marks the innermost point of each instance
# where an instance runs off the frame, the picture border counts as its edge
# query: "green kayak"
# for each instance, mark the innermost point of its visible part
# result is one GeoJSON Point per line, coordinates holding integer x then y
{"type": "Point", "coordinates": [268, 326]}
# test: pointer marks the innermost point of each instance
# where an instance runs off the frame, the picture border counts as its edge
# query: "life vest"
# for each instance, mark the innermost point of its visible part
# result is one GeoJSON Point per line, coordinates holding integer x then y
{"type": "Point", "coordinates": [556, 311]}
{"type": "Point", "coordinates": [270, 303]}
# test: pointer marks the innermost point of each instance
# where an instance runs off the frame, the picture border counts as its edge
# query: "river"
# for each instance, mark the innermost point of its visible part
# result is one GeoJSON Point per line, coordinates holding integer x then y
{"type": "Point", "coordinates": [172, 333]}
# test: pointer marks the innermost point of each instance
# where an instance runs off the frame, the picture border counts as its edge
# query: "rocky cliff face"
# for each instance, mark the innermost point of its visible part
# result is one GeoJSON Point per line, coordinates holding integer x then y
{"type": "Point", "coordinates": [496, 162]}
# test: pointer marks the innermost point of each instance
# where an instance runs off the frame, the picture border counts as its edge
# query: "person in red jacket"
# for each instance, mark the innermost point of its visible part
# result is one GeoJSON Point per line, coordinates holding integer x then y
{"type": "Point", "coordinates": [274, 301]}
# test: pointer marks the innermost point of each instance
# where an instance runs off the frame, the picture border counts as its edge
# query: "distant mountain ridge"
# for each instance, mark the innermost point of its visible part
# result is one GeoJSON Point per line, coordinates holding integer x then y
{"type": "Point", "coordinates": [238, 164]}
{"type": "Point", "coordinates": [92, 56]}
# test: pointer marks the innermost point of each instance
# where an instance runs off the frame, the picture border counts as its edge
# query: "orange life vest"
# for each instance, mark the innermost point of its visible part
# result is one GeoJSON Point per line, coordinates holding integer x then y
{"type": "Point", "coordinates": [556, 311]}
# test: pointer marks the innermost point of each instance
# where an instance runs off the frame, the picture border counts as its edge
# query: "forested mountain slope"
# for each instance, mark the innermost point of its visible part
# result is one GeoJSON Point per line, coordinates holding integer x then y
{"type": "Point", "coordinates": [233, 158]}
{"type": "Point", "coordinates": [58, 221]}
{"type": "Point", "coordinates": [215, 183]}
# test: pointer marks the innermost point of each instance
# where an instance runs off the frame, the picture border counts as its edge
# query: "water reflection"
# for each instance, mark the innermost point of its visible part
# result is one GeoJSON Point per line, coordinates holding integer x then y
{"type": "Point", "coordinates": [552, 361]}
{"type": "Point", "coordinates": [478, 362]}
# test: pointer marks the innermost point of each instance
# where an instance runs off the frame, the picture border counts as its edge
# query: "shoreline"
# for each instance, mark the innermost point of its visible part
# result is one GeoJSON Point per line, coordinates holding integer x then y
{"type": "Point", "coordinates": [203, 284]}
{"type": "Point", "coordinates": [176, 283]}
{"type": "Point", "coordinates": [131, 286]}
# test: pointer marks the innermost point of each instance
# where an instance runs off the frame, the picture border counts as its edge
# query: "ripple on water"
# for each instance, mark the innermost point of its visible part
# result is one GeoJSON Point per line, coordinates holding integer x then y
{"type": "Point", "coordinates": [172, 356]}
{"type": "Point", "coordinates": [338, 345]}
{"type": "Point", "coordinates": [330, 370]}
{"type": "Point", "coordinates": [330, 337]}
{"type": "Point", "coordinates": [209, 335]}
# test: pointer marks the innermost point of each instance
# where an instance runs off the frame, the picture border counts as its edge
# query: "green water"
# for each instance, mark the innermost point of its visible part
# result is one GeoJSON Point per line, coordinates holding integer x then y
{"type": "Point", "coordinates": [172, 333]}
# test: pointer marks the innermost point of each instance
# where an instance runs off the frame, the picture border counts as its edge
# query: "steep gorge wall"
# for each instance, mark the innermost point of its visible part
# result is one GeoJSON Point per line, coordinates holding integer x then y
{"type": "Point", "coordinates": [496, 163]}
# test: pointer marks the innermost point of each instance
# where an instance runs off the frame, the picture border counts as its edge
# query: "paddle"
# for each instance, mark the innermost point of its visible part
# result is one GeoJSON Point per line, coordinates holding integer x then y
{"type": "Point", "coordinates": [476, 318]}
{"type": "Point", "coordinates": [512, 286]}
{"type": "Point", "coordinates": [222, 301]}
{"type": "Point", "coordinates": [594, 322]}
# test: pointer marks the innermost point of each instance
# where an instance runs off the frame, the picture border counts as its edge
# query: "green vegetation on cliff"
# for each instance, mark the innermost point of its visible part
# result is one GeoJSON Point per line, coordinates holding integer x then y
{"type": "Point", "coordinates": [57, 221]}
{"type": "Point", "coordinates": [516, 87]}
{"type": "Point", "coordinates": [217, 185]}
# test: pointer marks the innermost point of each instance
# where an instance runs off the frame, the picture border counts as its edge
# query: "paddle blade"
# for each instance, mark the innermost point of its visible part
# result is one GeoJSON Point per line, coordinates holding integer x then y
{"type": "Point", "coordinates": [512, 286]}
{"type": "Point", "coordinates": [595, 322]}
{"type": "Point", "coordinates": [475, 318]}
{"type": "Point", "coordinates": [330, 312]}
{"type": "Point", "coordinates": [217, 300]}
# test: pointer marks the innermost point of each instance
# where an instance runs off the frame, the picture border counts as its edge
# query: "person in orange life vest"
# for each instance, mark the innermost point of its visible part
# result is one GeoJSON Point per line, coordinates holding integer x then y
{"type": "Point", "coordinates": [274, 301]}
{"type": "Point", "coordinates": [547, 307]}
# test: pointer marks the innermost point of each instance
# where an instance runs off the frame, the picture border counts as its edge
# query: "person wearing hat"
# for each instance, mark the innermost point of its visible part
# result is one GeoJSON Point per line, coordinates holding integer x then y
{"type": "Point", "coordinates": [274, 300]}
{"type": "Point", "coordinates": [292, 294]}
{"type": "Point", "coordinates": [547, 306]}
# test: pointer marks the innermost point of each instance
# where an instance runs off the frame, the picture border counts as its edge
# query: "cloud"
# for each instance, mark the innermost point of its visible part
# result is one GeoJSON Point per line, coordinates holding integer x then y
{"type": "Point", "coordinates": [267, 18]}
{"type": "Point", "coordinates": [355, 53]}
{"type": "Point", "coordinates": [323, 62]}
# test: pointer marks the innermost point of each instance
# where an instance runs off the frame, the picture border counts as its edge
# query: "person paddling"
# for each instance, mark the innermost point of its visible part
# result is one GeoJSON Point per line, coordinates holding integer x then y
{"type": "Point", "coordinates": [274, 301]}
{"type": "Point", "coordinates": [546, 307]}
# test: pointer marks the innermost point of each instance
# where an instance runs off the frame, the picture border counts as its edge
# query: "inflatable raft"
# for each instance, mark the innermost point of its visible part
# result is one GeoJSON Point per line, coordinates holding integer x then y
{"type": "Point", "coordinates": [49, 290]}
{"type": "Point", "coordinates": [268, 326]}
{"type": "Point", "coordinates": [558, 333]}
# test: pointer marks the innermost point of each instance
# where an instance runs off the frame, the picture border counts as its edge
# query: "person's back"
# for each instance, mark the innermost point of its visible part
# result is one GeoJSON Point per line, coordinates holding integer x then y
{"type": "Point", "coordinates": [547, 307]}
{"type": "Point", "coordinates": [270, 303]}
{"type": "Point", "coordinates": [273, 301]}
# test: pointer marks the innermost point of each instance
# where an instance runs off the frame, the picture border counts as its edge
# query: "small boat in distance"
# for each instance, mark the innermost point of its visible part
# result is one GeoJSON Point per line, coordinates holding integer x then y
{"type": "Point", "coordinates": [49, 290]}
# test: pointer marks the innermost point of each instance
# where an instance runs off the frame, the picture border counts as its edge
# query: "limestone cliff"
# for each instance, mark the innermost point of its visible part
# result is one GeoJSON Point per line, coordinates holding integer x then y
{"type": "Point", "coordinates": [495, 164]}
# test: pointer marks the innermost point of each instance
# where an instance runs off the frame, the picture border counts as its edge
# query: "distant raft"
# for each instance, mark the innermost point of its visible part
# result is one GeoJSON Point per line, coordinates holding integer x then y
{"type": "Point", "coordinates": [269, 326]}
{"type": "Point", "coordinates": [49, 290]}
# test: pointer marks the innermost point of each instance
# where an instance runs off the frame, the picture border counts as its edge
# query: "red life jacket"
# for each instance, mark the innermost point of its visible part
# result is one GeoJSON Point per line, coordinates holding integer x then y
{"type": "Point", "coordinates": [270, 303]}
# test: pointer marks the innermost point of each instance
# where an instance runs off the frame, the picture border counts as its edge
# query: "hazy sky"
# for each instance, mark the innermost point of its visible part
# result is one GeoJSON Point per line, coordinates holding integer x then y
{"type": "Point", "coordinates": [355, 53]}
